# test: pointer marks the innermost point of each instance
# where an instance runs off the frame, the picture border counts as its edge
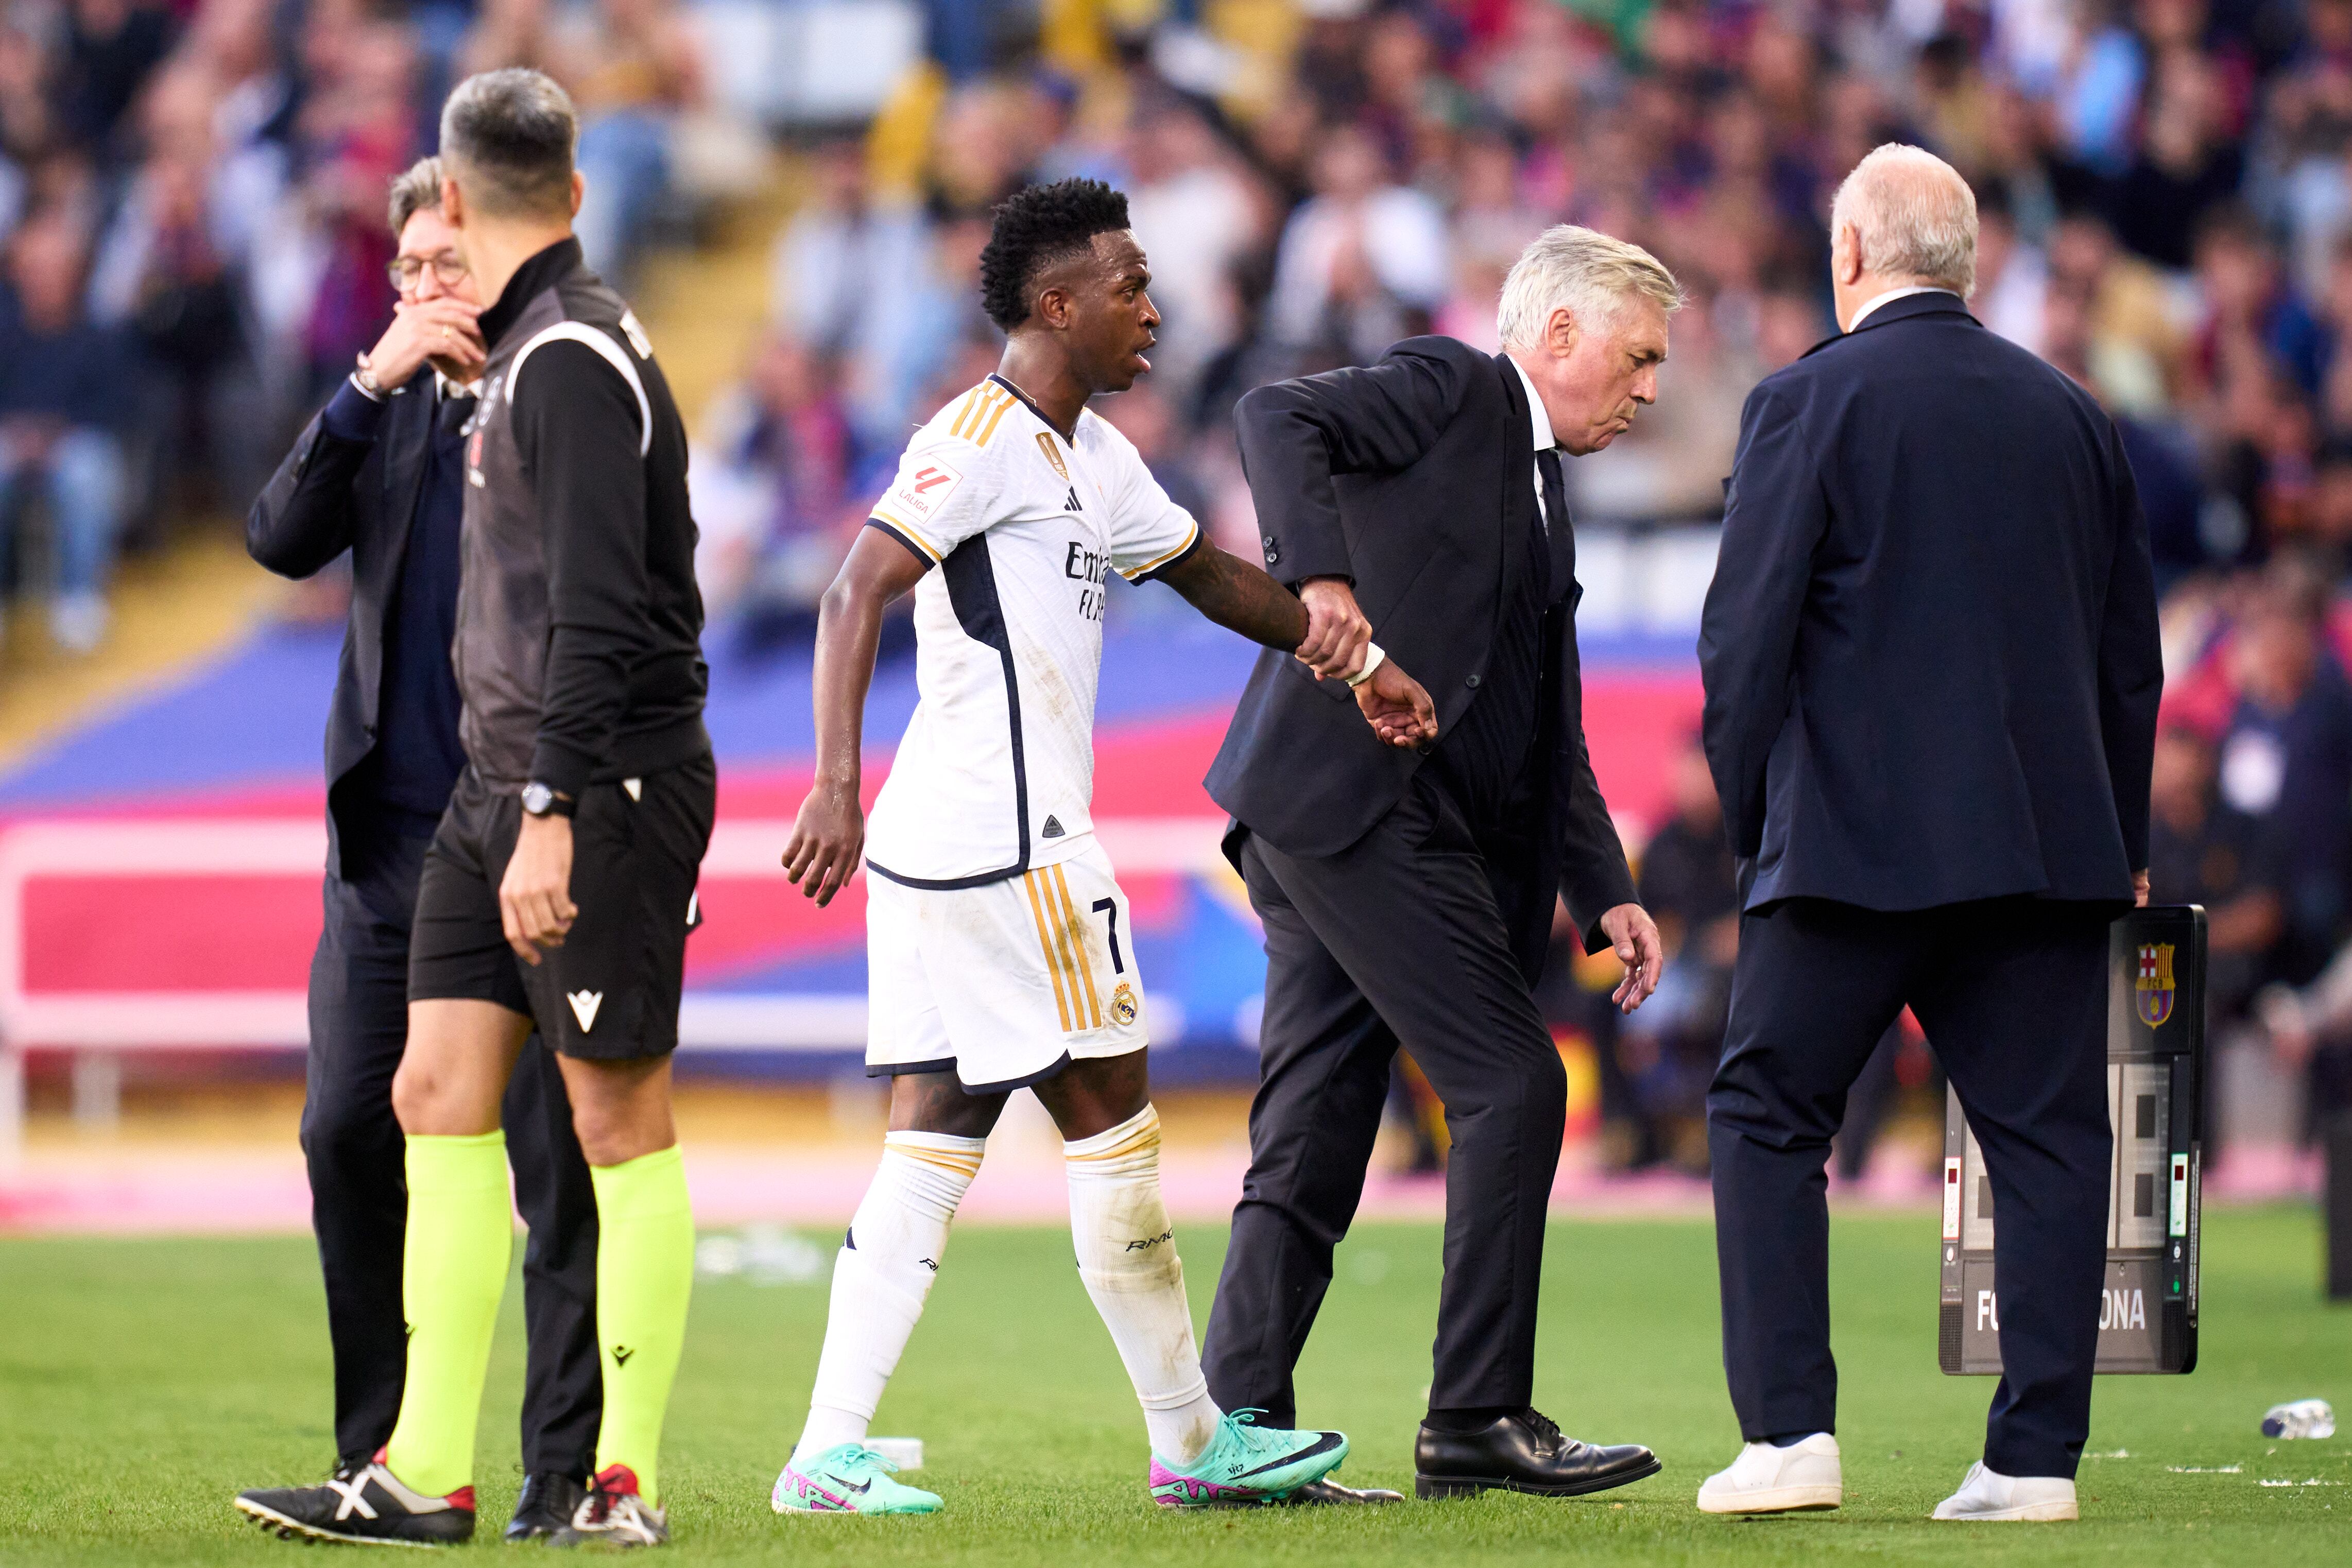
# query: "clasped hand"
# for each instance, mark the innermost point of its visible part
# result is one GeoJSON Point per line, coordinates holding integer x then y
{"type": "Point", "coordinates": [1338, 636]}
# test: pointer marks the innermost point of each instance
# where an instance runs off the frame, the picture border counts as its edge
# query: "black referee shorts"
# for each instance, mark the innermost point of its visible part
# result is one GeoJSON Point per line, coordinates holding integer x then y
{"type": "Point", "coordinates": [611, 993]}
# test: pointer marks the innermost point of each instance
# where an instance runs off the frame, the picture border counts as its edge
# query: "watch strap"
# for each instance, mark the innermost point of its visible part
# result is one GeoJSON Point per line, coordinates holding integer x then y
{"type": "Point", "coordinates": [557, 804]}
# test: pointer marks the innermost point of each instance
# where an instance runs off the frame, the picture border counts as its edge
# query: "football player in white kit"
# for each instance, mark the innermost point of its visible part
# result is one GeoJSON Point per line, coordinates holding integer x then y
{"type": "Point", "coordinates": [997, 941]}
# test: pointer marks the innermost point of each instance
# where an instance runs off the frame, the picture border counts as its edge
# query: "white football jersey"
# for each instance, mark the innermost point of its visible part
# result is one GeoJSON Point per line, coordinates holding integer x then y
{"type": "Point", "coordinates": [996, 773]}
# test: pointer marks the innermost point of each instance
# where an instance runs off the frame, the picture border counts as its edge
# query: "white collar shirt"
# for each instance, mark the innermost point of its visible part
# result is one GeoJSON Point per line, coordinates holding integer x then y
{"type": "Point", "coordinates": [1891, 296]}
{"type": "Point", "coordinates": [1539, 434]}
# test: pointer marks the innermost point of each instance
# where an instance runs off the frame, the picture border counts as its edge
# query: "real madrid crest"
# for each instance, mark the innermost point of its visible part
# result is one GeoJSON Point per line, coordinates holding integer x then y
{"type": "Point", "coordinates": [1123, 1006]}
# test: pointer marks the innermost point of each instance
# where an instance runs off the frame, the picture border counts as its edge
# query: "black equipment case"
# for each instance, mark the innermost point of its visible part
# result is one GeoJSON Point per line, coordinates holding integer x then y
{"type": "Point", "coordinates": [2155, 1068]}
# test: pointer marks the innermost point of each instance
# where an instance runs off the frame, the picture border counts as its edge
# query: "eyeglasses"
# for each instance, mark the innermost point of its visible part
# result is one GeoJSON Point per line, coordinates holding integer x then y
{"type": "Point", "coordinates": [407, 272]}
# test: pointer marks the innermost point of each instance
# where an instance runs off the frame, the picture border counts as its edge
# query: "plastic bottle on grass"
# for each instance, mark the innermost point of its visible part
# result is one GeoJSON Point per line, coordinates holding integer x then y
{"type": "Point", "coordinates": [2303, 1418]}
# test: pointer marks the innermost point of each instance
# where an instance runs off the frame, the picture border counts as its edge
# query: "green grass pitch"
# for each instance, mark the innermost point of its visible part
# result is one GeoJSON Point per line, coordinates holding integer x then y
{"type": "Point", "coordinates": [142, 1382]}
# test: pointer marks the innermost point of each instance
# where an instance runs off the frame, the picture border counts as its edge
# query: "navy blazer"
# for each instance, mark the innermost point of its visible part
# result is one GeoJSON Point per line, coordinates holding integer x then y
{"type": "Point", "coordinates": [329, 496]}
{"type": "Point", "coordinates": [1931, 646]}
{"type": "Point", "coordinates": [1407, 477]}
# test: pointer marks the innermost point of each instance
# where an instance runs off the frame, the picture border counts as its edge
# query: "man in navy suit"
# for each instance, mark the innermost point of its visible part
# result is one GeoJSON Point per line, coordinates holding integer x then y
{"type": "Point", "coordinates": [1932, 672]}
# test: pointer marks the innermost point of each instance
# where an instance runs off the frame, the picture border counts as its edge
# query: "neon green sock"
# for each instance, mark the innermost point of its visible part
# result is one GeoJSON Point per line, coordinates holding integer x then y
{"type": "Point", "coordinates": [453, 1270]}
{"type": "Point", "coordinates": [645, 1272]}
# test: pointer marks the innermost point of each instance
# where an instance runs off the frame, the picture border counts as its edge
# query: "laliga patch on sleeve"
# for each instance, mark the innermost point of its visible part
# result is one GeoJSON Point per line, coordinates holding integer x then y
{"type": "Point", "coordinates": [923, 491]}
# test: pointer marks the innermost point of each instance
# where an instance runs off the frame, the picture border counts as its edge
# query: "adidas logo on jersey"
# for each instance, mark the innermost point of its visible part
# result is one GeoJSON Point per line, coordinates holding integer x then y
{"type": "Point", "coordinates": [1052, 827]}
{"type": "Point", "coordinates": [1071, 504]}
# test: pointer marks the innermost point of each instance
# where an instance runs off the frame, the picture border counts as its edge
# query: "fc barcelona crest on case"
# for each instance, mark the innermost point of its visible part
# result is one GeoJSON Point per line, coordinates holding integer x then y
{"type": "Point", "coordinates": [2152, 994]}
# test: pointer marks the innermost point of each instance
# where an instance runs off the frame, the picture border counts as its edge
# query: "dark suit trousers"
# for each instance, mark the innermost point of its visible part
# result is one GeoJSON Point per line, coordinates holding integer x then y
{"type": "Point", "coordinates": [1398, 939]}
{"type": "Point", "coordinates": [2013, 996]}
{"type": "Point", "coordinates": [359, 1194]}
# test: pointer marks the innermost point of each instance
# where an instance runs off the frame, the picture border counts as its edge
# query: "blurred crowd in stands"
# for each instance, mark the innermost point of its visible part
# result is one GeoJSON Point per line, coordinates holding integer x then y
{"type": "Point", "coordinates": [2165, 195]}
{"type": "Point", "coordinates": [192, 213]}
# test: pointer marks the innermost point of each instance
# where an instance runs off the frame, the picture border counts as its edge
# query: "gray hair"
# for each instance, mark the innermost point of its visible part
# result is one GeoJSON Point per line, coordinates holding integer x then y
{"type": "Point", "coordinates": [1914, 216]}
{"type": "Point", "coordinates": [508, 136]}
{"type": "Point", "coordinates": [1590, 274]}
{"type": "Point", "coordinates": [418, 188]}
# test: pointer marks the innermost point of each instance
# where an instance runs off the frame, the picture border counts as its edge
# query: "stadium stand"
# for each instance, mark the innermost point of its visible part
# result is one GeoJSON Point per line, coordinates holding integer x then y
{"type": "Point", "coordinates": [2167, 201]}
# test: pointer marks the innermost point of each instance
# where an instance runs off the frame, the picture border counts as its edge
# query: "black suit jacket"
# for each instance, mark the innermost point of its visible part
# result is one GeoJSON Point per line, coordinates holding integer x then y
{"type": "Point", "coordinates": [328, 495]}
{"type": "Point", "coordinates": [1931, 647]}
{"type": "Point", "coordinates": [1407, 477]}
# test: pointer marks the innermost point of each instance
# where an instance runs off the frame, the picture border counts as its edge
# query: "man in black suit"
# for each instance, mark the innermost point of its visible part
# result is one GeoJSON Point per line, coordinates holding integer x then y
{"type": "Point", "coordinates": [1931, 666]}
{"type": "Point", "coordinates": [1407, 893]}
{"type": "Point", "coordinates": [378, 473]}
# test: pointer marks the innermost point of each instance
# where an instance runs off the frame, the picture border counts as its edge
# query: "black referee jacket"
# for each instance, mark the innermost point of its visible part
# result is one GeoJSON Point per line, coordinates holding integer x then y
{"type": "Point", "coordinates": [579, 624]}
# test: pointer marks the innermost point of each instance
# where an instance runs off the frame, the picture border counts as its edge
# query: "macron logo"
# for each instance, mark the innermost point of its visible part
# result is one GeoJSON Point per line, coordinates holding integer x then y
{"type": "Point", "coordinates": [583, 1008]}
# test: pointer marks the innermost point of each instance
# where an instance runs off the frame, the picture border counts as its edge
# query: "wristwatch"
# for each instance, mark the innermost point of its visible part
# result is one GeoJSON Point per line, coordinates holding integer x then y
{"type": "Point", "coordinates": [542, 800]}
{"type": "Point", "coordinates": [366, 377]}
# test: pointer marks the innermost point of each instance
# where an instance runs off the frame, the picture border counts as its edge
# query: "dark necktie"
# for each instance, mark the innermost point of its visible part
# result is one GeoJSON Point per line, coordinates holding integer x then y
{"type": "Point", "coordinates": [1562, 539]}
{"type": "Point", "coordinates": [449, 419]}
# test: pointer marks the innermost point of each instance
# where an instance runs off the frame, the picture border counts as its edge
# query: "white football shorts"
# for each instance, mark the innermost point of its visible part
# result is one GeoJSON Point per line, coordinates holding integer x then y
{"type": "Point", "coordinates": [1004, 983]}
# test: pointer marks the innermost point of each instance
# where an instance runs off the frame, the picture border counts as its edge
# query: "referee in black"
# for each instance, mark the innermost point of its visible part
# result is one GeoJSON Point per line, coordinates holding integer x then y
{"type": "Point", "coordinates": [378, 474]}
{"type": "Point", "coordinates": [560, 887]}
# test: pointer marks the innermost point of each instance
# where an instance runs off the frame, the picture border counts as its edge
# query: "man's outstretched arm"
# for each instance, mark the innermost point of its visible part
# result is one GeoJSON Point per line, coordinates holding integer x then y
{"type": "Point", "coordinates": [1242, 597]}
{"type": "Point", "coordinates": [829, 835]}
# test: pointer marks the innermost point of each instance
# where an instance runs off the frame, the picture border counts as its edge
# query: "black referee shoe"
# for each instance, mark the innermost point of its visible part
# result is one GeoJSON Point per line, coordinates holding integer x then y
{"type": "Point", "coordinates": [367, 1506]}
{"type": "Point", "coordinates": [547, 1504]}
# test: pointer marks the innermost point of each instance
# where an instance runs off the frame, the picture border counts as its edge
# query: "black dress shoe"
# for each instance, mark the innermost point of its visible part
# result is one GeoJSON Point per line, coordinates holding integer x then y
{"type": "Point", "coordinates": [1526, 1453]}
{"type": "Point", "coordinates": [1328, 1493]}
{"type": "Point", "coordinates": [547, 1504]}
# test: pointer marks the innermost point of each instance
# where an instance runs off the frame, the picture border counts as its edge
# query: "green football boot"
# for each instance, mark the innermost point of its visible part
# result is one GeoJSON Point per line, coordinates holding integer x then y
{"type": "Point", "coordinates": [848, 1478]}
{"type": "Point", "coordinates": [1245, 1464]}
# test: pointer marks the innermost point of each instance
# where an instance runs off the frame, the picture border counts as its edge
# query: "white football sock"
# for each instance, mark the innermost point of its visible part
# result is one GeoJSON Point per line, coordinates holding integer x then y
{"type": "Point", "coordinates": [881, 1277]}
{"type": "Point", "coordinates": [1126, 1255]}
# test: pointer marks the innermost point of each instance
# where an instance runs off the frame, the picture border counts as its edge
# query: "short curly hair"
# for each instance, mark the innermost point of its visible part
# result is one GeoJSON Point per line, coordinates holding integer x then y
{"type": "Point", "coordinates": [1036, 227]}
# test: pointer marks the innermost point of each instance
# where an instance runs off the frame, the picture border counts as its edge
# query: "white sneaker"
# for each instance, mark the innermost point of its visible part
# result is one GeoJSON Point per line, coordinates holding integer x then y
{"type": "Point", "coordinates": [1766, 1479]}
{"type": "Point", "coordinates": [1989, 1495]}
